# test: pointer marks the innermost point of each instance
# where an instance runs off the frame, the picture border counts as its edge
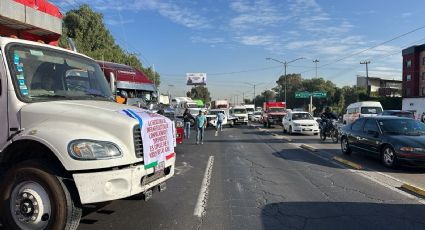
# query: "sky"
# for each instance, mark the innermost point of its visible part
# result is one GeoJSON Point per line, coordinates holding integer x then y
{"type": "Point", "coordinates": [230, 40]}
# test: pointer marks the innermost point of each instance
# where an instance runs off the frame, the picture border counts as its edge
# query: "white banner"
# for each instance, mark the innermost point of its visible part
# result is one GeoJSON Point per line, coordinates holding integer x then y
{"type": "Point", "coordinates": [157, 136]}
{"type": "Point", "coordinates": [196, 79]}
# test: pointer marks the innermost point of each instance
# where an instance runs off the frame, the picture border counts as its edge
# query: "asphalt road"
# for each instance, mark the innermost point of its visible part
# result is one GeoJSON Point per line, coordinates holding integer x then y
{"type": "Point", "coordinates": [250, 179]}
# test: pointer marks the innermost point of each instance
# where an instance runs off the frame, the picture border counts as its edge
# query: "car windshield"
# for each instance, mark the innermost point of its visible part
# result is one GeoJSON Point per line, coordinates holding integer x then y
{"type": "Point", "coordinates": [257, 113]}
{"type": "Point", "coordinates": [43, 74]}
{"type": "Point", "coordinates": [276, 110]}
{"type": "Point", "coordinates": [402, 126]}
{"type": "Point", "coordinates": [239, 111]}
{"type": "Point", "coordinates": [302, 116]}
{"type": "Point", "coordinates": [249, 110]}
{"type": "Point", "coordinates": [371, 110]}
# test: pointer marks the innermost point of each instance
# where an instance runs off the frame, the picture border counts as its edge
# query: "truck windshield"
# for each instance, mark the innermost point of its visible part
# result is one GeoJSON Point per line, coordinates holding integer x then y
{"type": "Point", "coordinates": [239, 111]}
{"type": "Point", "coordinates": [276, 110]}
{"type": "Point", "coordinates": [371, 110]}
{"type": "Point", "coordinates": [43, 74]}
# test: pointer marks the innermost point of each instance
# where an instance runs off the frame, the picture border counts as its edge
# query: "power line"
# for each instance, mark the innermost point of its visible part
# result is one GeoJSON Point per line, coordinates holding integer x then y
{"type": "Point", "coordinates": [373, 47]}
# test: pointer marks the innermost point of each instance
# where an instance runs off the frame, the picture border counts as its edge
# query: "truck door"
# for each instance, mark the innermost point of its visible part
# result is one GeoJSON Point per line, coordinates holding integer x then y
{"type": "Point", "coordinates": [4, 124]}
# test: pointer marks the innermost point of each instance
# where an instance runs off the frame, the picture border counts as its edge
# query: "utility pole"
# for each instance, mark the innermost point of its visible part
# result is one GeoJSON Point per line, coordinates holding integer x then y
{"type": "Point", "coordinates": [285, 64]}
{"type": "Point", "coordinates": [367, 76]}
{"type": "Point", "coordinates": [315, 62]}
{"type": "Point", "coordinates": [254, 85]}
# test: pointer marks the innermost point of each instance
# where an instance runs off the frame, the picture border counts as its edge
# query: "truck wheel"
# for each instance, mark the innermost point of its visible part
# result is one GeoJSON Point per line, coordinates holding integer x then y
{"type": "Point", "coordinates": [32, 197]}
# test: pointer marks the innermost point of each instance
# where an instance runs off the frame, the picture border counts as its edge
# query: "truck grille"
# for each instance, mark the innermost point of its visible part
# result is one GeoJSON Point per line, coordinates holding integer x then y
{"type": "Point", "coordinates": [138, 144]}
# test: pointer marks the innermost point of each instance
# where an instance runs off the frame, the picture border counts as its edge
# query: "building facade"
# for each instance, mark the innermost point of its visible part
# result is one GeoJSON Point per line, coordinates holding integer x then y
{"type": "Point", "coordinates": [414, 71]}
{"type": "Point", "coordinates": [384, 87]}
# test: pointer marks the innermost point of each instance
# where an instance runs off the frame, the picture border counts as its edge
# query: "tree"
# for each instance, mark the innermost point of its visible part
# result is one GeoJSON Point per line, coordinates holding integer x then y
{"type": "Point", "coordinates": [200, 93]}
{"type": "Point", "coordinates": [93, 39]}
{"type": "Point", "coordinates": [269, 95]}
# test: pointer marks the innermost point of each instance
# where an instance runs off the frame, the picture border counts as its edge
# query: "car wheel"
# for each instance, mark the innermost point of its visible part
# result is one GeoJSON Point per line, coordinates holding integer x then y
{"type": "Point", "coordinates": [345, 147]}
{"type": "Point", "coordinates": [388, 157]}
{"type": "Point", "coordinates": [290, 130]}
{"type": "Point", "coordinates": [334, 136]}
{"type": "Point", "coordinates": [32, 197]}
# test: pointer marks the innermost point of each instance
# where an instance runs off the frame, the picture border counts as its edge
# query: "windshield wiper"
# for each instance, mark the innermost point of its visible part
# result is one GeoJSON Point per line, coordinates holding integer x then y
{"type": "Point", "coordinates": [395, 132]}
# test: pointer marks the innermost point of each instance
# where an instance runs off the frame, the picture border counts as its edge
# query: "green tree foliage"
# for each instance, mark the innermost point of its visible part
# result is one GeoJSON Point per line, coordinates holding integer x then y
{"type": "Point", "coordinates": [337, 98]}
{"type": "Point", "coordinates": [93, 39]}
{"type": "Point", "coordinates": [200, 93]}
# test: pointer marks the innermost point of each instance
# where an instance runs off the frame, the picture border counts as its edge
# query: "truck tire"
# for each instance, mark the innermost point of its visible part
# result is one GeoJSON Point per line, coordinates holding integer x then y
{"type": "Point", "coordinates": [33, 197]}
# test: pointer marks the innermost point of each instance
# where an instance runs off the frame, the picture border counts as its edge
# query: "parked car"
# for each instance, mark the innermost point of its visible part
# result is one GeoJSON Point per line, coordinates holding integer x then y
{"type": "Point", "coordinates": [300, 122]}
{"type": "Point", "coordinates": [393, 139]}
{"type": "Point", "coordinates": [256, 116]}
{"type": "Point", "coordinates": [361, 109]}
{"type": "Point", "coordinates": [398, 113]}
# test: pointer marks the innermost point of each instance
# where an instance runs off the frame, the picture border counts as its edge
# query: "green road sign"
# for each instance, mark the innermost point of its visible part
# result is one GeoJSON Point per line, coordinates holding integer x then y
{"type": "Point", "coordinates": [319, 94]}
{"type": "Point", "coordinates": [302, 95]}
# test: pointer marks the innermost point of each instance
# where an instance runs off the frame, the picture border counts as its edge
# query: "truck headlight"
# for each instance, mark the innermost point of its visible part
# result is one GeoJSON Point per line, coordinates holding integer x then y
{"type": "Point", "coordinates": [93, 150]}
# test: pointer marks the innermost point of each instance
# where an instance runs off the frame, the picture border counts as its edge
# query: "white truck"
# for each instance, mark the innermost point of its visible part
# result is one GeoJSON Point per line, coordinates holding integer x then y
{"type": "Point", "coordinates": [250, 108]}
{"type": "Point", "coordinates": [415, 105]}
{"type": "Point", "coordinates": [63, 141]}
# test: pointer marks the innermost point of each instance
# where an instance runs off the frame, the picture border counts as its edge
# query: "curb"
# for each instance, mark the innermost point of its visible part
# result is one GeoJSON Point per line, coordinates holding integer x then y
{"type": "Point", "coordinates": [414, 189]}
{"type": "Point", "coordinates": [308, 147]}
{"type": "Point", "coordinates": [349, 163]}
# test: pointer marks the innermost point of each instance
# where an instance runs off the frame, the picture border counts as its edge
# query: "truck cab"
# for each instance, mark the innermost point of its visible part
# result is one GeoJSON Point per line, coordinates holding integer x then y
{"type": "Point", "coordinates": [64, 141]}
{"type": "Point", "coordinates": [273, 113]}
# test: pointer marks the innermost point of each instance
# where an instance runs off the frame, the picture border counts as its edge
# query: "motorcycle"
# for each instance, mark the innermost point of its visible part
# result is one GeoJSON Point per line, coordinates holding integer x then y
{"type": "Point", "coordinates": [329, 129]}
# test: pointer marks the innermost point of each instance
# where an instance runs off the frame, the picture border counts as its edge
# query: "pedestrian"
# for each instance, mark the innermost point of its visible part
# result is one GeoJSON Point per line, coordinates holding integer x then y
{"type": "Point", "coordinates": [220, 119]}
{"type": "Point", "coordinates": [187, 118]}
{"type": "Point", "coordinates": [201, 122]}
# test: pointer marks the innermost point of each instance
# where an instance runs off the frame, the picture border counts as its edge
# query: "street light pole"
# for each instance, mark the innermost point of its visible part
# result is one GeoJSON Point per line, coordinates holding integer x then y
{"type": "Point", "coordinates": [285, 64]}
{"type": "Point", "coordinates": [315, 62]}
{"type": "Point", "coordinates": [367, 76]}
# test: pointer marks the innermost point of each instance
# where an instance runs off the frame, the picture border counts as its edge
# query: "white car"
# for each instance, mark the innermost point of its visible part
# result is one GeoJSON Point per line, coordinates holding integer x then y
{"type": "Point", "coordinates": [300, 122]}
{"type": "Point", "coordinates": [212, 114]}
{"type": "Point", "coordinates": [256, 116]}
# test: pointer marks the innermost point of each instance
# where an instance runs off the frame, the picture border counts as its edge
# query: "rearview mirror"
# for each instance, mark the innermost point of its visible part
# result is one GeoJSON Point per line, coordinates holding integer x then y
{"type": "Point", "coordinates": [112, 83]}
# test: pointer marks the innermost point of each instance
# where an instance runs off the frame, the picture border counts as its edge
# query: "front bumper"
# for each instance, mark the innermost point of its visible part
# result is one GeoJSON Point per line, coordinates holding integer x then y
{"type": "Point", "coordinates": [121, 183]}
{"type": "Point", "coordinates": [411, 159]}
{"type": "Point", "coordinates": [242, 120]}
{"type": "Point", "coordinates": [305, 130]}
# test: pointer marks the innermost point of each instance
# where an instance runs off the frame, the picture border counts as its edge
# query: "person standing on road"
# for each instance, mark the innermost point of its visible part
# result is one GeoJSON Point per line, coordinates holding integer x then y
{"type": "Point", "coordinates": [187, 118]}
{"type": "Point", "coordinates": [220, 119]}
{"type": "Point", "coordinates": [201, 122]}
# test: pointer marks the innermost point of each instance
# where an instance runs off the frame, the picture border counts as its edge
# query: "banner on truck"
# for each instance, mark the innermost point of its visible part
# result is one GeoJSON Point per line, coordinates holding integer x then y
{"type": "Point", "coordinates": [157, 136]}
{"type": "Point", "coordinates": [196, 79]}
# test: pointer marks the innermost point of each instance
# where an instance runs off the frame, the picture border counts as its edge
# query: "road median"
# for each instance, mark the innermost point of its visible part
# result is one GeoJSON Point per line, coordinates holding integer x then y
{"type": "Point", "coordinates": [348, 163]}
{"type": "Point", "coordinates": [414, 189]}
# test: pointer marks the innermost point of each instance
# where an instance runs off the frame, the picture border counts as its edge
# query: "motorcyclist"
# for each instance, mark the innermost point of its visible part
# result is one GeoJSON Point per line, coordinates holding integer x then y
{"type": "Point", "coordinates": [327, 117]}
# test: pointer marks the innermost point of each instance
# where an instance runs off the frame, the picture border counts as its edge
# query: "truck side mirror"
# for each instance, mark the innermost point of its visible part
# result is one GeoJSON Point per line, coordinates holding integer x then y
{"type": "Point", "coordinates": [112, 84]}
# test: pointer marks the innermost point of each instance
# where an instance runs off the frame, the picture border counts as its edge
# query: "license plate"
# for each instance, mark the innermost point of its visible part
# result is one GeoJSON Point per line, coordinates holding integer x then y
{"type": "Point", "coordinates": [160, 167]}
{"type": "Point", "coordinates": [306, 129]}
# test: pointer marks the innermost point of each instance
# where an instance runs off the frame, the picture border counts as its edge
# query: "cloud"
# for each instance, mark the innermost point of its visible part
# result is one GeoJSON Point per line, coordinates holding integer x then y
{"type": "Point", "coordinates": [168, 9]}
{"type": "Point", "coordinates": [207, 40]}
{"type": "Point", "coordinates": [257, 40]}
{"type": "Point", "coordinates": [114, 22]}
{"type": "Point", "coordinates": [257, 13]}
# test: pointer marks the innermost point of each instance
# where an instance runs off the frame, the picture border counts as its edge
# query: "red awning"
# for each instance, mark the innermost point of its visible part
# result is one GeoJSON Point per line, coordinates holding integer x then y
{"type": "Point", "coordinates": [43, 6]}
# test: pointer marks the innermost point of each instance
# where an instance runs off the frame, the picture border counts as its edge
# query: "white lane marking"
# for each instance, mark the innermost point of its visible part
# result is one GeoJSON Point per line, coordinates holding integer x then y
{"type": "Point", "coordinates": [201, 204]}
{"type": "Point", "coordinates": [239, 187]}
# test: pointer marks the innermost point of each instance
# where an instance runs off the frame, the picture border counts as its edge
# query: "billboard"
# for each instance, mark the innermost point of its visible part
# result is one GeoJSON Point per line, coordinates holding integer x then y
{"type": "Point", "coordinates": [196, 79]}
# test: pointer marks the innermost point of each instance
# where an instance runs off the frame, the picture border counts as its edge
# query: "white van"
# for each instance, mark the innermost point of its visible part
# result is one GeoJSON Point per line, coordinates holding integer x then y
{"type": "Point", "coordinates": [362, 109]}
